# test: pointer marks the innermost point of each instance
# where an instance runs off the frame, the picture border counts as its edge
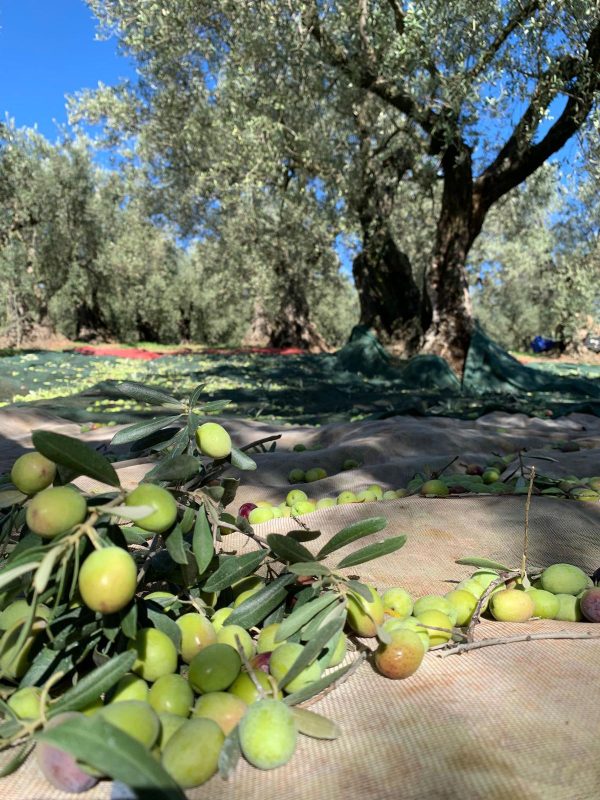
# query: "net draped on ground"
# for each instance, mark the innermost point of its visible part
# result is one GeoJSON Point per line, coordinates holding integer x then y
{"type": "Point", "coordinates": [359, 381]}
{"type": "Point", "coordinates": [516, 720]}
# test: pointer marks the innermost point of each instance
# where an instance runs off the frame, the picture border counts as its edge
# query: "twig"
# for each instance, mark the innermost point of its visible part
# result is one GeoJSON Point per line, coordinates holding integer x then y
{"type": "Point", "coordinates": [475, 617]}
{"type": "Point", "coordinates": [436, 473]}
{"type": "Point", "coordinates": [249, 668]}
{"type": "Point", "coordinates": [146, 564]}
{"type": "Point", "coordinates": [526, 533]}
{"type": "Point", "coordinates": [362, 656]}
{"type": "Point", "coordinates": [524, 637]}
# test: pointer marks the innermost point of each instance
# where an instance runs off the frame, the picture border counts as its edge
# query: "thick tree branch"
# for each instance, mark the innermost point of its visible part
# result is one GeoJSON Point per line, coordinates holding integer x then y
{"type": "Point", "coordinates": [398, 16]}
{"type": "Point", "coordinates": [366, 76]}
{"type": "Point", "coordinates": [519, 18]}
{"type": "Point", "coordinates": [579, 79]}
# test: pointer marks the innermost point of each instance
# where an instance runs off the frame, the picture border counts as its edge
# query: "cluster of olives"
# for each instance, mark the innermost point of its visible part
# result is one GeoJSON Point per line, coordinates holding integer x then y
{"type": "Point", "coordinates": [297, 503]}
{"type": "Point", "coordinates": [318, 473]}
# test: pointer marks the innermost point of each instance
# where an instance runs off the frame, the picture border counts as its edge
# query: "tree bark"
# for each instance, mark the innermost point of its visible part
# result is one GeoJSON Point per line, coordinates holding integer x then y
{"type": "Point", "coordinates": [390, 300]}
{"type": "Point", "coordinates": [449, 332]}
{"type": "Point", "coordinates": [290, 327]}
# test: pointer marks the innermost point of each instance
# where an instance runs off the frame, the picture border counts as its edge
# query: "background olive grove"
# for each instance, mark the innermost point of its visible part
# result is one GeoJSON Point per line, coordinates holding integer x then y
{"type": "Point", "coordinates": [260, 136]}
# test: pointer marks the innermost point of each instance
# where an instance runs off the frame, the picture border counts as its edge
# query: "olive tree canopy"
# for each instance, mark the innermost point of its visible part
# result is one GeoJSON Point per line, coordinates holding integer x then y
{"type": "Point", "coordinates": [367, 97]}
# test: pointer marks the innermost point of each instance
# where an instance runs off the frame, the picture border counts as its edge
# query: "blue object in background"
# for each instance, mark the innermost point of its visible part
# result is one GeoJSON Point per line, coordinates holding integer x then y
{"type": "Point", "coordinates": [541, 345]}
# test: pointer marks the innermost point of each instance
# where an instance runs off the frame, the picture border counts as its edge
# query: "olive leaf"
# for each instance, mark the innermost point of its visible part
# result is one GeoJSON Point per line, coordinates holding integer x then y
{"type": "Point", "coordinates": [259, 605]}
{"type": "Point", "coordinates": [287, 549]}
{"type": "Point", "coordinates": [300, 616]}
{"type": "Point", "coordinates": [132, 513]}
{"type": "Point", "coordinates": [240, 460]}
{"type": "Point", "coordinates": [178, 469]}
{"type": "Point", "coordinates": [230, 754]}
{"type": "Point", "coordinates": [311, 650]}
{"type": "Point", "coordinates": [19, 758]}
{"type": "Point", "coordinates": [142, 393]}
{"type": "Point", "coordinates": [203, 546]}
{"type": "Point", "coordinates": [373, 551]}
{"type": "Point", "coordinates": [141, 429]}
{"type": "Point", "coordinates": [75, 455]}
{"type": "Point", "coordinates": [309, 569]}
{"type": "Point", "coordinates": [10, 497]}
{"type": "Point", "coordinates": [353, 532]}
{"type": "Point", "coordinates": [232, 568]}
{"type": "Point", "coordinates": [94, 741]}
{"type": "Point", "coordinates": [484, 563]}
{"type": "Point", "coordinates": [176, 546]}
{"type": "Point", "coordinates": [316, 725]}
{"type": "Point", "coordinates": [94, 684]}
{"type": "Point", "coordinates": [315, 688]}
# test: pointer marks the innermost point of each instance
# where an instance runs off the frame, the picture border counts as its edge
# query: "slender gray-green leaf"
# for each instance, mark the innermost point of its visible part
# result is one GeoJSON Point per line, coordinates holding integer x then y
{"type": "Point", "coordinates": [188, 519]}
{"type": "Point", "coordinates": [373, 551]}
{"type": "Point", "coordinates": [383, 635]}
{"type": "Point", "coordinates": [203, 546]}
{"type": "Point", "coordinates": [44, 571]}
{"type": "Point", "coordinates": [313, 689]}
{"type": "Point", "coordinates": [141, 429]}
{"type": "Point", "coordinates": [95, 683]}
{"type": "Point", "coordinates": [176, 547]}
{"type": "Point", "coordinates": [242, 461]}
{"type": "Point", "coordinates": [287, 549]}
{"type": "Point", "coordinates": [9, 575]}
{"type": "Point", "coordinates": [145, 394]}
{"type": "Point", "coordinates": [75, 455]}
{"type": "Point", "coordinates": [309, 569]}
{"type": "Point", "coordinates": [485, 563]}
{"type": "Point", "coordinates": [232, 568]}
{"type": "Point", "coordinates": [360, 589]}
{"type": "Point", "coordinates": [213, 406]}
{"type": "Point", "coordinates": [19, 758]}
{"type": "Point", "coordinates": [259, 605]}
{"type": "Point", "coordinates": [300, 616]}
{"type": "Point", "coordinates": [165, 624]}
{"type": "Point", "coordinates": [132, 513]}
{"type": "Point", "coordinates": [304, 536]}
{"type": "Point", "coordinates": [357, 530]}
{"type": "Point", "coordinates": [314, 625]}
{"type": "Point", "coordinates": [230, 487]}
{"type": "Point", "coordinates": [135, 535]}
{"type": "Point", "coordinates": [196, 394]}
{"type": "Point", "coordinates": [9, 727]}
{"type": "Point", "coordinates": [230, 754]}
{"type": "Point", "coordinates": [129, 621]}
{"type": "Point", "coordinates": [179, 469]}
{"type": "Point", "coordinates": [311, 649]}
{"type": "Point", "coordinates": [177, 443]}
{"type": "Point", "coordinates": [11, 496]}
{"type": "Point", "coordinates": [94, 741]}
{"type": "Point", "coordinates": [316, 725]}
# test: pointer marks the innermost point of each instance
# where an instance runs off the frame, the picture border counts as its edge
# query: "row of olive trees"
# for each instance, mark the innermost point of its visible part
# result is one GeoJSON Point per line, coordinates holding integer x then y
{"type": "Point", "coordinates": [375, 100]}
{"type": "Point", "coordinates": [80, 254]}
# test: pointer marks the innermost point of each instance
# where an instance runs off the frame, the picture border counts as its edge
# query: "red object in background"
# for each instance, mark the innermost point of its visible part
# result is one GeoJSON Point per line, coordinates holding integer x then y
{"type": "Point", "coordinates": [119, 352]}
{"type": "Point", "coordinates": [245, 509]}
{"type": "Point", "coordinates": [148, 355]}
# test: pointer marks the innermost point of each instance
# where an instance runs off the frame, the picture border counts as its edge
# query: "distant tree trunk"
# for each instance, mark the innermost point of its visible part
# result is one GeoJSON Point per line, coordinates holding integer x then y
{"type": "Point", "coordinates": [390, 300]}
{"type": "Point", "coordinates": [291, 325]}
{"type": "Point", "coordinates": [449, 332]}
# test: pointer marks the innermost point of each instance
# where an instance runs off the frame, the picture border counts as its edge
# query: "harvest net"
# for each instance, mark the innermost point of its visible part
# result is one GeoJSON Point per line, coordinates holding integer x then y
{"type": "Point", "coordinates": [513, 720]}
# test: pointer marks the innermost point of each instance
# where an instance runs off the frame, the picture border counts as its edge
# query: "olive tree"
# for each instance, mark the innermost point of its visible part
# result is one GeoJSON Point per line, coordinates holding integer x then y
{"type": "Point", "coordinates": [363, 94]}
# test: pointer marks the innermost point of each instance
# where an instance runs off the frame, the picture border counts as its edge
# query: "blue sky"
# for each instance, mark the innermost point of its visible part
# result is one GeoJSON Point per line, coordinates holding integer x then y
{"type": "Point", "coordinates": [48, 50]}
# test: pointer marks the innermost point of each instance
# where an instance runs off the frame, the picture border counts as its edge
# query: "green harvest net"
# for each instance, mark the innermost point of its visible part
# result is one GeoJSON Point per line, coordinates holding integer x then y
{"type": "Point", "coordinates": [360, 381]}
